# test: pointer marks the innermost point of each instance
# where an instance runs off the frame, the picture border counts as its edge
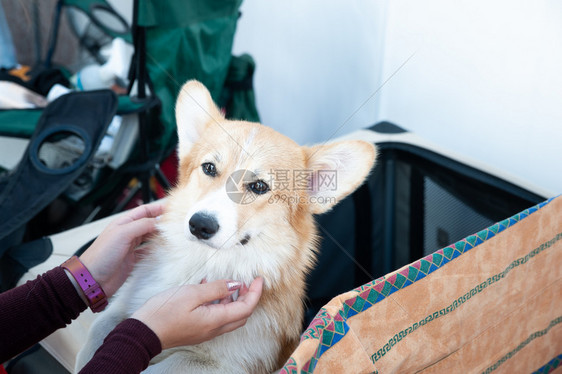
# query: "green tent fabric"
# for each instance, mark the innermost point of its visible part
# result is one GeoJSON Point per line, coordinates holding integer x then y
{"type": "Point", "coordinates": [186, 40]}
{"type": "Point", "coordinates": [181, 13]}
{"type": "Point", "coordinates": [238, 96]}
{"type": "Point", "coordinates": [18, 122]}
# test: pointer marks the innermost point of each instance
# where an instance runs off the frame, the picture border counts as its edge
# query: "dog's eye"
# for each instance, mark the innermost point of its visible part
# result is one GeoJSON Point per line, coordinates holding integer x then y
{"type": "Point", "coordinates": [258, 187]}
{"type": "Point", "coordinates": [210, 169]}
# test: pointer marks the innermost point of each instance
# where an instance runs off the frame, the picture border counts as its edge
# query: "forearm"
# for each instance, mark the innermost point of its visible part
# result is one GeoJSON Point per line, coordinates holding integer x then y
{"type": "Point", "coordinates": [127, 349]}
{"type": "Point", "coordinates": [34, 310]}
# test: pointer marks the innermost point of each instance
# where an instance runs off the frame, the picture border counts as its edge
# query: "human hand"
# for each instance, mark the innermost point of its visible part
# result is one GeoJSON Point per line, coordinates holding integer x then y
{"type": "Point", "coordinates": [113, 254]}
{"type": "Point", "coordinates": [184, 316]}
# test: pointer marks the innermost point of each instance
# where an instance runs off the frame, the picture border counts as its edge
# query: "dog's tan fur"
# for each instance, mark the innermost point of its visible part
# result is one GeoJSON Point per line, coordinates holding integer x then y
{"type": "Point", "coordinates": [279, 226]}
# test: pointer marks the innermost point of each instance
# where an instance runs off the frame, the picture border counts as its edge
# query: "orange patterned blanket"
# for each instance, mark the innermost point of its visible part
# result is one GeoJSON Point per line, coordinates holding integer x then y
{"type": "Point", "coordinates": [491, 302]}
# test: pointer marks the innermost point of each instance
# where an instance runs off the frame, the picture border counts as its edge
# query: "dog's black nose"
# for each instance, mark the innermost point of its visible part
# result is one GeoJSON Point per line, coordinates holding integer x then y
{"type": "Point", "coordinates": [203, 226]}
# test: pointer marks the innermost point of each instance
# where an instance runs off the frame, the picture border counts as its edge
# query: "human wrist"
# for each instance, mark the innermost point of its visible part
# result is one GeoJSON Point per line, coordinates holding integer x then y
{"type": "Point", "coordinates": [144, 316]}
{"type": "Point", "coordinates": [95, 297]}
{"type": "Point", "coordinates": [76, 287]}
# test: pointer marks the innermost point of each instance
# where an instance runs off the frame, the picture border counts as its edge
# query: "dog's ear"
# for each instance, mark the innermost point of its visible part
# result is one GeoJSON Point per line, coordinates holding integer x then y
{"type": "Point", "coordinates": [337, 170]}
{"type": "Point", "coordinates": [195, 109]}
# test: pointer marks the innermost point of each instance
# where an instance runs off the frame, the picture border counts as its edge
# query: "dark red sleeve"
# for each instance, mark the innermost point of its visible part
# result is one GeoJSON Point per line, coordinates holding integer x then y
{"type": "Point", "coordinates": [127, 349]}
{"type": "Point", "coordinates": [34, 310]}
{"type": "Point", "coordinates": [31, 312]}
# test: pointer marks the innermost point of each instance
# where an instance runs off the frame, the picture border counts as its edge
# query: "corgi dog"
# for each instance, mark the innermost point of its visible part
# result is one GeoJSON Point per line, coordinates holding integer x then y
{"type": "Point", "coordinates": [243, 207]}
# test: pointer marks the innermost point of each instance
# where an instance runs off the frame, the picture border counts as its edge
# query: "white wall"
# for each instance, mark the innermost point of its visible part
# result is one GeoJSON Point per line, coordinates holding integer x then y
{"type": "Point", "coordinates": [484, 78]}
{"type": "Point", "coordinates": [317, 63]}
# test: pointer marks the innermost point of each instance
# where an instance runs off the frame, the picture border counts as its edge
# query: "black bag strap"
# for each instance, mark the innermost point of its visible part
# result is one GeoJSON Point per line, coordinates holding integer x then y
{"type": "Point", "coordinates": [32, 185]}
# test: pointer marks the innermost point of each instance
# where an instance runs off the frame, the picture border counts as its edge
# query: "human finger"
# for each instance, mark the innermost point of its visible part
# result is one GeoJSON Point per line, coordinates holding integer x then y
{"type": "Point", "coordinates": [151, 210]}
{"type": "Point", "coordinates": [217, 290]}
{"type": "Point", "coordinates": [243, 307]}
{"type": "Point", "coordinates": [227, 299]}
{"type": "Point", "coordinates": [233, 315]}
{"type": "Point", "coordinates": [203, 281]}
{"type": "Point", "coordinates": [252, 294]}
{"type": "Point", "coordinates": [243, 290]}
{"type": "Point", "coordinates": [139, 228]}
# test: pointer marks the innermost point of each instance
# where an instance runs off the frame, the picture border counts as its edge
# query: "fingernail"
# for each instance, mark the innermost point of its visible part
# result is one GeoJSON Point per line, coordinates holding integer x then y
{"type": "Point", "coordinates": [158, 218]}
{"type": "Point", "coordinates": [233, 285]}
